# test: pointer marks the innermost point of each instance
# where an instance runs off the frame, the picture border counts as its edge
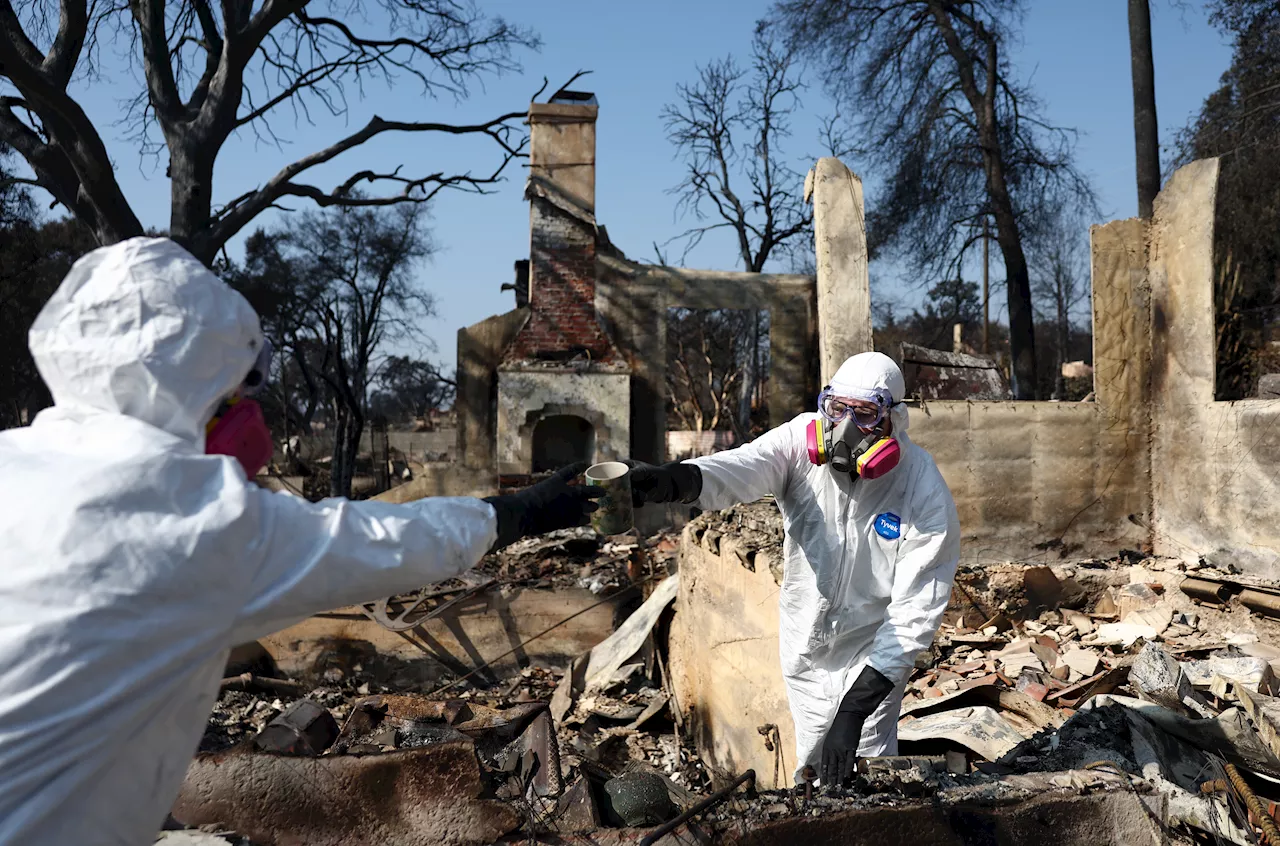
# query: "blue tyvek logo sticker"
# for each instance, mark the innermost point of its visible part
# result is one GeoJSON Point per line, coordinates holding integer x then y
{"type": "Point", "coordinates": [889, 526]}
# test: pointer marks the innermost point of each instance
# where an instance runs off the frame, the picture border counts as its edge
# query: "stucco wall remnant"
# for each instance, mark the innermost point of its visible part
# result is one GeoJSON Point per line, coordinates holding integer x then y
{"type": "Point", "coordinates": [1031, 476]}
{"type": "Point", "coordinates": [1215, 465]}
{"type": "Point", "coordinates": [724, 649]}
{"type": "Point", "coordinates": [480, 349]}
{"type": "Point", "coordinates": [1154, 461]}
{"type": "Point", "coordinates": [840, 246]}
{"type": "Point", "coordinates": [1035, 476]}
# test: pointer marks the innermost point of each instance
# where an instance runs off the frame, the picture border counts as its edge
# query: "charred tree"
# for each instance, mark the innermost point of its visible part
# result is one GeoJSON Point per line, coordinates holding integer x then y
{"type": "Point", "coordinates": [959, 137]}
{"type": "Point", "coordinates": [212, 70]}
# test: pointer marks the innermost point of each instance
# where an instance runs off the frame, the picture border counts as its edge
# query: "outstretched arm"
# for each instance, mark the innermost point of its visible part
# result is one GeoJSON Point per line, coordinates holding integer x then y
{"type": "Point", "coordinates": [317, 556]}
{"type": "Point", "coordinates": [753, 470]}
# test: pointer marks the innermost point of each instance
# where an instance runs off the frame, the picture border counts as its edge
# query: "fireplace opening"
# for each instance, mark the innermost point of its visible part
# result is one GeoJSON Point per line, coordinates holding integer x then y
{"type": "Point", "coordinates": [561, 439]}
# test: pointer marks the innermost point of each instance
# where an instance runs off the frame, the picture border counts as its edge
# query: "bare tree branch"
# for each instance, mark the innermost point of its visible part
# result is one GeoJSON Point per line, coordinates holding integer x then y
{"type": "Point", "coordinates": [246, 207]}
{"type": "Point", "coordinates": [237, 62]}
{"type": "Point", "coordinates": [729, 126]}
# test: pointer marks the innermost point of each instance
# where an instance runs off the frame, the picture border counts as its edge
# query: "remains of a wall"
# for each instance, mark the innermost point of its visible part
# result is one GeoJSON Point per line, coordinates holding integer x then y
{"type": "Point", "coordinates": [1027, 474]}
{"type": "Point", "coordinates": [840, 245]}
{"type": "Point", "coordinates": [1031, 476]}
{"type": "Point", "coordinates": [479, 629]}
{"type": "Point", "coordinates": [724, 655]}
{"type": "Point", "coordinates": [633, 299]}
{"type": "Point", "coordinates": [480, 349]}
{"type": "Point", "coordinates": [527, 394]}
{"type": "Point", "coordinates": [1214, 464]}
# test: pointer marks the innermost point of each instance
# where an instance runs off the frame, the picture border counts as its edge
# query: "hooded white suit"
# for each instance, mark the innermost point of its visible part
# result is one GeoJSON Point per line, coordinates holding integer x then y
{"type": "Point", "coordinates": [868, 564]}
{"type": "Point", "coordinates": [131, 561]}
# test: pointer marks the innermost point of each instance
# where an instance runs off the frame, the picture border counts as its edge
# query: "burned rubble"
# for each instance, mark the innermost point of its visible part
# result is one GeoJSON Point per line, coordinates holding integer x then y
{"type": "Point", "coordinates": [1136, 691]}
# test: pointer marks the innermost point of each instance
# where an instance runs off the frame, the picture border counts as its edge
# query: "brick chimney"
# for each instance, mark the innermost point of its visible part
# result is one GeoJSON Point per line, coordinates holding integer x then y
{"type": "Point", "coordinates": [563, 324]}
{"type": "Point", "coordinates": [564, 390]}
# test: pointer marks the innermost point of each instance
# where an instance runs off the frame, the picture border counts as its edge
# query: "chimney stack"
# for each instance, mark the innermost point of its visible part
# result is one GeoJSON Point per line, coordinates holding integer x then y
{"type": "Point", "coordinates": [562, 141]}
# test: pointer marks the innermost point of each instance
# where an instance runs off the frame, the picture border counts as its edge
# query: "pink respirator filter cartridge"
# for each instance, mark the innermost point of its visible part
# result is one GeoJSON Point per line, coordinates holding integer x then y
{"type": "Point", "coordinates": [242, 433]}
{"type": "Point", "coordinates": [882, 457]}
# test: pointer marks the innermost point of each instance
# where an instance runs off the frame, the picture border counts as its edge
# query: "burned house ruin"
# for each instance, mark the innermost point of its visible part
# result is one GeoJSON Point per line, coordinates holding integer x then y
{"type": "Point", "coordinates": [577, 370]}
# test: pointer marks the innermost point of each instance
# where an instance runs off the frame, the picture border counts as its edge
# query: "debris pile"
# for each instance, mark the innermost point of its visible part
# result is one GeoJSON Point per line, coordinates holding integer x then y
{"type": "Point", "coordinates": [612, 756]}
{"type": "Point", "coordinates": [1142, 690]}
{"type": "Point", "coordinates": [1146, 669]}
{"type": "Point", "coordinates": [618, 725]}
{"type": "Point", "coordinates": [1061, 643]}
{"type": "Point", "coordinates": [580, 557]}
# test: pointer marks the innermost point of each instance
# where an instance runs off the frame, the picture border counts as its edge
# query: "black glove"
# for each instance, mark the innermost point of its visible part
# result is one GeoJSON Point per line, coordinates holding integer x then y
{"type": "Point", "coordinates": [674, 482]}
{"type": "Point", "coordinates": [549, 505]}
{"type": "Point", "coordinates": [840, 749]}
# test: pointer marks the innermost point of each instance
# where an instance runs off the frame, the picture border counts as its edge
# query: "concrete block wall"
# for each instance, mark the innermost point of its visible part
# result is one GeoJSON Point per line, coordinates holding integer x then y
{"type": "Point", "coordinates": [1031, 477]}
{"type": "Point", "coordinates": [1035, 480]}
{"type": "Point", "coordinates": [1155, 461]}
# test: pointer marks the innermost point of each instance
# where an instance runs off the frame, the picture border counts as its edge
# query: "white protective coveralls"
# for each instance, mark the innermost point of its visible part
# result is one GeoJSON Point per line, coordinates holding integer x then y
{"type": "Point", "coordinates": [868, 564]}
{"type": "Point", "coordinates": [131, 561]}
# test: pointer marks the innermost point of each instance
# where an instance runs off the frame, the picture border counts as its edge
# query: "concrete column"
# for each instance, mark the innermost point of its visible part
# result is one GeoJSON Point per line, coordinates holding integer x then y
{"type": "Point", "coordinates": [1121, 316]}
{"type": "Point", "coordinates": [1205, 483]}
{"type": "Point", "coordinates": [844, 290]}
{"type": "Point", "coordinates": [635, 311]}
{"type": "Point", "coordinates": [1122, 365]}
{"type": "Point", "coordinates": [1183, 335]}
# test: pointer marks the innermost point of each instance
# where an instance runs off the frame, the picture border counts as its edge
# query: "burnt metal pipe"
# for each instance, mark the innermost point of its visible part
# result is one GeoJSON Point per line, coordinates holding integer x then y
{"type": "Point", "coordinates": [1270, 834]}
{"type": "Point", "coordinates": [1206, 590]}
{"type": "Point", "coordinates": [1261, 602]}
{"type": "Point", "coordinates": [705, 805]}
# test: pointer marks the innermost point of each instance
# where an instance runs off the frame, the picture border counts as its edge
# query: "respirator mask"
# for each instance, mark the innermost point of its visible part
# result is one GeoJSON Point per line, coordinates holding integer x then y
{"type": "Point", "coordinates": [850, 437]}
{"type": "Point", "coordinates": [238, 428]}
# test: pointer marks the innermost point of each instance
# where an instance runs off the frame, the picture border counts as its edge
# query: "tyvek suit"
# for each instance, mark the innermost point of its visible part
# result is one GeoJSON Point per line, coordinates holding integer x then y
{"type": "Point", "coordinates": [856, 589]}
{"type": "Point", "coordinates": [131, 561]}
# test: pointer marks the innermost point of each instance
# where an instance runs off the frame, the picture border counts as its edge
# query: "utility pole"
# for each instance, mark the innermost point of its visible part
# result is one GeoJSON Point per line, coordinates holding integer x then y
{"type": "Point", "coordinates": [986, 288]}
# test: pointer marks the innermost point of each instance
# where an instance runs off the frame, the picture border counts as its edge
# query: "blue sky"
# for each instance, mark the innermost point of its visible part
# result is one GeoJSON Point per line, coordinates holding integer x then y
{"type": "Point", "coordinates": [1075, 53]}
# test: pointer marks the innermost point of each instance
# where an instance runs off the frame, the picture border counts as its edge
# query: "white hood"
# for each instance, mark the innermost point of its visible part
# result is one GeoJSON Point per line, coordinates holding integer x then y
{"type": "Point", "coordinates": [132, 562]}
{"type": "Point", "coordinates": [873, 371]}
{"type": "Point", "coordinates": [141, 328]}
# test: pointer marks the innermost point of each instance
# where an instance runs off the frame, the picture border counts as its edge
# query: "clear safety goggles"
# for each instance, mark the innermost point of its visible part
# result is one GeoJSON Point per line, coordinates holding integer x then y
{"type": "Point", "coordinates": [867, 408]}
{"type": "Point", "coordinates": [258, 374]}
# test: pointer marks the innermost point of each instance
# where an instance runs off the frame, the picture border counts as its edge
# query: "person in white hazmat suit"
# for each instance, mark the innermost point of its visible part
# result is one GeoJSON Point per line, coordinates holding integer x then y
{"type": "Point", "coordinates": [132, 560]}
{"type": "Point", "coordinates": [872, 541]}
